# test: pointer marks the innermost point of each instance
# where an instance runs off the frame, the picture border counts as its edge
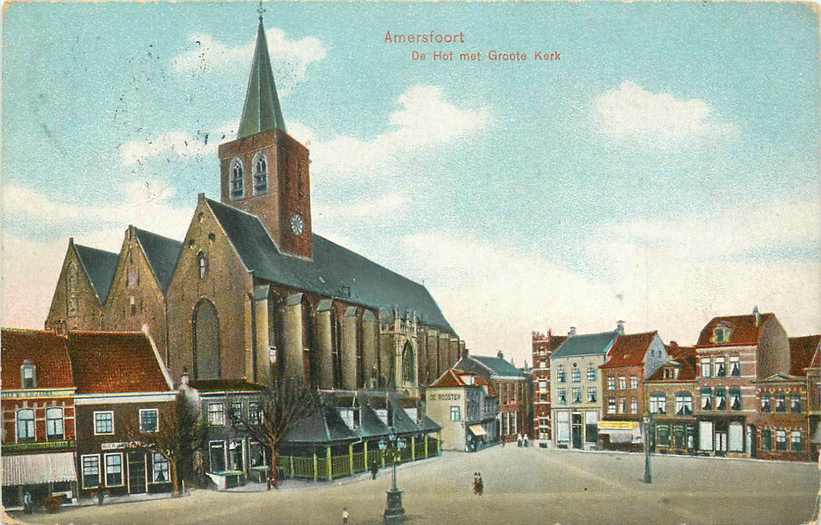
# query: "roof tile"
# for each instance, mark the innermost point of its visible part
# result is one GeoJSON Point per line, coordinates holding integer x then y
{"type": "Point", "coordinates": [47, 351]}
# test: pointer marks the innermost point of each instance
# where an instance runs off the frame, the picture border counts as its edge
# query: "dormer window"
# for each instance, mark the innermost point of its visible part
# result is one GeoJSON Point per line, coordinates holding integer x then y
{"type": "Point", "coordinates": [28, 374]}
{"type": "Point", "coordinates": [237, 183]}
{"type": "Point", "coordinates": [721, 334]}
{"type": "Point", "coordinates": [260, 174]}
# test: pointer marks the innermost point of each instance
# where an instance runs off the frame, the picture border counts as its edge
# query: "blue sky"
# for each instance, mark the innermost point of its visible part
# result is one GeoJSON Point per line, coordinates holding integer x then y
{"type": "Point", "coordinates": [663, 171]}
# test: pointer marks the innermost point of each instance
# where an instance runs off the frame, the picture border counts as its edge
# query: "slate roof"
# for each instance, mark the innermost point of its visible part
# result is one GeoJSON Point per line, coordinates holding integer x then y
{"type": "Point", "coordinates": [100, 267]}
{"type": "Point", "coordinates": [743, 330]}
{"type": "Point", "coordinates": [223, 385]}
{"type": "Point", "coordinates": [323, 426]}
{"type": "Point", "coordinates": [333, 267]}
{"type": "Point", "coordinates": [261, 111]}
{"type": "Point", "coordinates": [629, 350]}
{"type": "Point", "coordinates": [488, 366]}
{"type": "Point", "coordinates": [586, 344]}
{"type": "Point", "coordinates": [162, 254]}
{"type": "Point", "coordinates": [802, 351]}
{"type": "Point", "coordinates": [115, 362]}
{"type": "Point", "coordinates": [685, 357]}
{"type": "Point", "coordinates": [47, 351]}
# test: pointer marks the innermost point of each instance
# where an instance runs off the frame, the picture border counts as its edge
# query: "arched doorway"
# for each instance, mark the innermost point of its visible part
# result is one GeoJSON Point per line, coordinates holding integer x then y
{"type": "Point", "coordinates": [206, 341]}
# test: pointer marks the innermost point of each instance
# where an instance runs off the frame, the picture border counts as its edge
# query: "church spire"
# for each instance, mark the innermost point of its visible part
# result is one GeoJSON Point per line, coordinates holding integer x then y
{"type": "Point", "coordinates": [261, 111]}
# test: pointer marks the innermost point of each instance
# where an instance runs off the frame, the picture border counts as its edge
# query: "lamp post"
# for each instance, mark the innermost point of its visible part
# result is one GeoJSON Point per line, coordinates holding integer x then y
{"type": "Point", "coordinates": [647, 421]}
{"type": "Point", "coordinates": [394, 513]}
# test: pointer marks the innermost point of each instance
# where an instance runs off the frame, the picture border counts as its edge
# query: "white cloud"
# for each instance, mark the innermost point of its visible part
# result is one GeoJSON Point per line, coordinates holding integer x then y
{"type": "Point", "coordinates": [31, 268]}
{"type": "Point", "coordinates": [176, 144]}
{"type": "Point", "coordinates": [424, 119]}
{"type": "Point", "coordinates": [290, 58]}
{"type": "Point", "coordinates": [369, 207]}
{"type": "Point", "coordinates": [633, 113]}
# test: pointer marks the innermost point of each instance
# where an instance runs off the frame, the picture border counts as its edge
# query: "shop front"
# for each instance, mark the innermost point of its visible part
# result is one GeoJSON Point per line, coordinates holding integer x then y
{"type": "Point", "coordinates": [41, 475]}
{"type": "Point", "coordinates": [619, 435]}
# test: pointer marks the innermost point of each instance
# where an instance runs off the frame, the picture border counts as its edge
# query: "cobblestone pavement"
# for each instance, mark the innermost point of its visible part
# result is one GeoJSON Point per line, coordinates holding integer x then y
{"type": "Point", "coordinates": [522, 486]}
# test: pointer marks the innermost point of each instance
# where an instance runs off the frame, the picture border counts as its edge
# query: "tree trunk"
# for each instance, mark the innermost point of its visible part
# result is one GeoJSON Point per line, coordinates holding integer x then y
{"type": "Point", "coordinates": [175, 489]}
{"type": "Point", "coordinates": [273, 472]}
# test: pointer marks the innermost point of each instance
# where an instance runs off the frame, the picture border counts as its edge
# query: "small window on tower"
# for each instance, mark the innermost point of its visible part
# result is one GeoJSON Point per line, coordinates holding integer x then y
{"type": "Point", "coordinates": [237, 184]}
{"type": "Point", "coordinates": [260, 174]}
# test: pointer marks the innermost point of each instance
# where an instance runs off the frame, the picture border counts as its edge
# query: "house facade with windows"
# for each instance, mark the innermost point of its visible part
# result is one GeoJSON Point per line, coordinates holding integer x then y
{"type": "Point", "coordinates": [784, 427]}
{"type": "Point", "coordinates": [671, 393]}
{"type": "Point", "coordinates": [733, 352]}
{"type": "Point", "coordinates": [632, 360]}
{"type": "Point", "coordinates": [465, 405]}
{"type": "Point", "coordinates": [543, 347]}
{"type": "Point", "coordinates": [576, 388]}
{"type": "Point", "coordinates": [38, 415]}
{"type": "Point", "coordinates": [813, 385]}
{"type": "Point", "coordinates": [122, 389]}
{"type": "Point", "coordinates": [511, 387]}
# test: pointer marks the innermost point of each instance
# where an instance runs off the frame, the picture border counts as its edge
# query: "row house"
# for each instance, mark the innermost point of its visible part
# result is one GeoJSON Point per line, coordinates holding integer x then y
{"type": "Point", "coordinates": [632, 360]}
{"type": "Point", "coordinates": [124, 398]}
{"type": "Point", "coordinates": [783, 427]}
{"type": "Point", "coordinates": [466, 405]}
{"type": "Point", "coordinates": [543, 347]}
{"type": "Point", "coordinates": [733, 353]}
{"type": "Point", "coordinates": [813, 389]}
{"type": "Point", "coordinates": [575, 387]}
{"type": "Point", "coordinates": [37, 406]}
{"type": "Point", "coordinates": [511, 385]}
{"type": "Point", "coordinates": [671, 393]}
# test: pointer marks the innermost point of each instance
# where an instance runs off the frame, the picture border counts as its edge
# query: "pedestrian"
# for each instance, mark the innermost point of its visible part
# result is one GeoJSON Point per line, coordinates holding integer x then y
{"type": "Point", "coordinates": [518, 440]}
{"type": "Point", "coordinates": [480, 485]}
{"type": "Point", "coordinates": [476, 483]}
{"type": "Point", "coordinates": [524, 440]}
{"type": "Point", "coordinates": [345, 516]}
{"type": "Point", "coordinates": [27, 503]}
{"type": "Point", "coordinates": [374, 469]}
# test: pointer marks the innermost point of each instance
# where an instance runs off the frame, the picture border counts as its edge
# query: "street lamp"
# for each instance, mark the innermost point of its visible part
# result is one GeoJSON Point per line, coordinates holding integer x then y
{"type": "Point", "coordinates": [647, 421]}
{"type": "Point", "coordinates": [394, 513]}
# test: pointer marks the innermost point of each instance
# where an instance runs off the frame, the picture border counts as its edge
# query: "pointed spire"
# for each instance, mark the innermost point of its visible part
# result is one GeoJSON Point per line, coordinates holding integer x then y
{"type": "Point", "coordinates": [261, 111]}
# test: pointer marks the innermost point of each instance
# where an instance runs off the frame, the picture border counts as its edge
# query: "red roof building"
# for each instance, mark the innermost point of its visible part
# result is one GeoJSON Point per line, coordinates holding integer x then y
{"type": "Point", "coordinates": [543, 347]}
{"type": "Point", "coordinates": [675, 426]}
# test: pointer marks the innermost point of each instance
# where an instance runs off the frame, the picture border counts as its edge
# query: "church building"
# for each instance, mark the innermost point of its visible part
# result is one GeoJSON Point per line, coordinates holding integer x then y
{"type": "Point", "coordinates": [252, 292]}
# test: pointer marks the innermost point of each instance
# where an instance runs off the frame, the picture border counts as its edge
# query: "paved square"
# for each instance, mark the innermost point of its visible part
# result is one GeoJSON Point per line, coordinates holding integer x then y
{"type": "Point", "coordinates": [522, 486]}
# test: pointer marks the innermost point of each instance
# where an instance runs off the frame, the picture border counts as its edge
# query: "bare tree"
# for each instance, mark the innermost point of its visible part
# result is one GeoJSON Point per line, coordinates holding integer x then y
{"type": "Point", "coordinates": [273, 412]}
{"type": "Point", "coordinates": [178, 434]}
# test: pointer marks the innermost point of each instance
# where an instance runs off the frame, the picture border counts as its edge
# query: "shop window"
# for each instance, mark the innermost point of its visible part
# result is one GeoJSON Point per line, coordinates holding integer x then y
{"type": "Point", "coordinates": [54, 423]}
{"type": "Point", "coordinates": [767, 439]}
{"type": "Point", "coordinates": [149, 420]}
{"type": "Point", "coordinates": [216, 414]}
{"type": "Point", "coordinates": [104, 422]}
{"type": "Point", "coordinates": [663, 435]}
{"type": "Point", "coordinates": [797, 443]}
{"type": "Point", "coordinates": [159, 468]}
{"type": "Point", "coordinates": [25, 425]}
{"type": "Point", "coordinates": [781, 440]}
{"type": "Point", "coordinates": [113, 469]}
{"type": "Point", "coordinates": [91, 471]}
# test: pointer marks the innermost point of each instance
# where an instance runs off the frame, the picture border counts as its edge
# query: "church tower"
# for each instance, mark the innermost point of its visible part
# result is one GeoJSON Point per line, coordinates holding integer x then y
{"type": "Point", "coordinates": [265, 170]}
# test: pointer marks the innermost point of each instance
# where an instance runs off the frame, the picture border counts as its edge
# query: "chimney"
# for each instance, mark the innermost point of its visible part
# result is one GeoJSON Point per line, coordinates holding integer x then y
{"type": "Point", "coordinates": [499, 354]}
{"type": "Point", "coordinates": [757, 315]}
{"type": "Point", "coordinates": [620, 327]}
{"type": "Point", "coordinates": [572, 331]}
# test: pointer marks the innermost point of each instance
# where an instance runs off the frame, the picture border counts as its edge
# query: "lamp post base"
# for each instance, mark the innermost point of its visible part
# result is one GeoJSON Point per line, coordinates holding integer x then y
{"type": "Point", "coordinates": [394, 513]}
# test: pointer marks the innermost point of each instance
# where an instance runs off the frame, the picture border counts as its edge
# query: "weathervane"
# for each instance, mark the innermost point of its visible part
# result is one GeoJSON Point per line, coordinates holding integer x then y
{"type": "Point", "coordinates": [260, 10]}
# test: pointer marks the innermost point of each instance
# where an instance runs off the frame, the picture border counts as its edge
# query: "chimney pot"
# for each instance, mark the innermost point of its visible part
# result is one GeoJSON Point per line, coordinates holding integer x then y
{"type": "Point", "coordinates": [620, 327]}
{"type": "Point", "coordinates": [572, 331]}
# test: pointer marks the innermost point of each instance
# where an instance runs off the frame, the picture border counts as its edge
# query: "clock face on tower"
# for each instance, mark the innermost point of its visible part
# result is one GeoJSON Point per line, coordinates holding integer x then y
{"type": "Point", "coordinates": [297, 224]}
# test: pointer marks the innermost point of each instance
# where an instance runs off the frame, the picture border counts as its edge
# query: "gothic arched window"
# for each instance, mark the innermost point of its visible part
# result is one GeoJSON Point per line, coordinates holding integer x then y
{"type": "Point", "coordinates": [206, 341]}
{"type": "Point", "coordinates": [260, 174]}
{"type": "Point", "coordinates": [237, 182]}
{"type": "Point", "coordinates": [202, 265]}
{"type": "Point", "coordinates": [408, 364]}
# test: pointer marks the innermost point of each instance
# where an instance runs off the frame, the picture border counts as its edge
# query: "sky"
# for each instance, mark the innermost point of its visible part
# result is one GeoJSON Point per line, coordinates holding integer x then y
{"type": "Point", "coordinates": [663, 171]}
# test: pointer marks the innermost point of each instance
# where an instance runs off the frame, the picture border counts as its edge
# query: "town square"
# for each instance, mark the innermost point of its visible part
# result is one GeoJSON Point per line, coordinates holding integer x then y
{"type": "Point", "coordinates": [269, 262]}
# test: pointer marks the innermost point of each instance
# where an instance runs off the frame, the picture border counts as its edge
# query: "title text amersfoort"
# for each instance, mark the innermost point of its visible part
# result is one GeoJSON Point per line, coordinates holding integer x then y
{"type": "Point", "coordinates": [445, 55]}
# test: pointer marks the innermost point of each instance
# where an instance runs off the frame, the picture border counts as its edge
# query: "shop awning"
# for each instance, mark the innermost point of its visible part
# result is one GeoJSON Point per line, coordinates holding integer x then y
{"type": "Point", "coordinates": [477, 430]}
{"type": "Point", "coordinates": [618, 425]}
{"type": "Point", "coordinates": [34, 469]}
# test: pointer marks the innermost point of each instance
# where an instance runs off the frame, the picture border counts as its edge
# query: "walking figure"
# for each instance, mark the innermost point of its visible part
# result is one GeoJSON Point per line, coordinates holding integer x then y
{"type": "Point", "coordinates": [345, 516]}
{"type": "Point", "coordinates": [374, 469]}
{"type": "Point", "coordinates": [478, 485]}
{"type": "Point", "coordinates": [27, 503]}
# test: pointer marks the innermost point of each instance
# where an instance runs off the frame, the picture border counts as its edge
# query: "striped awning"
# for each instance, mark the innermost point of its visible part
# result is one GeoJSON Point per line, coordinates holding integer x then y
{"type": "Point", "coordinates": [34, 469]}
{"type": "Point", "coordinates": [477, 430]}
